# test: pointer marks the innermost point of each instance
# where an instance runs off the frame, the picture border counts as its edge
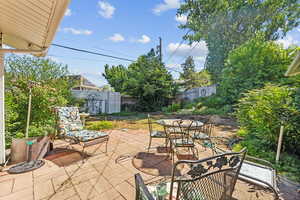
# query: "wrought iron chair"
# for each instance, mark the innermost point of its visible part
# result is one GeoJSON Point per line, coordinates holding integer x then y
{"type": "Point", "coordinates": [212, 178]}
{"type": "Point", "coordinates": [70, 128]}
{"type": "Point", "coordinates": [184, 139]}
{"type": "Point", "coordinates": [202, 134]}
{"type": "Point", "coordinates": [155, 133]}
{"type": "Point", "coordinates": [258, 172]}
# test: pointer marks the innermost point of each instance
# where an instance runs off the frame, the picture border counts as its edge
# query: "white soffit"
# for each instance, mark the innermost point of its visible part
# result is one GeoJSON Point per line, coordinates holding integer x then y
{"type": "Point", "coordinates": [31, 24]}
{"type": "Point", "coordinates": [294, 68]}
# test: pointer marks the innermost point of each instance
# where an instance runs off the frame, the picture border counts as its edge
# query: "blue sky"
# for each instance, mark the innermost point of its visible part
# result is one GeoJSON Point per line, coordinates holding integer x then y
{"type": "Point", "coordinates": [126, 28]}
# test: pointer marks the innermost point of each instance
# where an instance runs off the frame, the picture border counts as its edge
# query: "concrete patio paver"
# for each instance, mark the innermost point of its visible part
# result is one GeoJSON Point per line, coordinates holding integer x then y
{"type": "Point", "coordinates": [102, 176]}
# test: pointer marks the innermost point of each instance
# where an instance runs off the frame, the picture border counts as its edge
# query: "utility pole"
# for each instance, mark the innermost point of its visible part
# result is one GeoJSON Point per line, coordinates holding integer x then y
{"type": "Point", "coordinates": [159, 49]}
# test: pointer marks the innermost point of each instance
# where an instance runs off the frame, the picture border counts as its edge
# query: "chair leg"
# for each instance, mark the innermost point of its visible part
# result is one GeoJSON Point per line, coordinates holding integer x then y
{"type": "Point", "coordinates": [149, 144]}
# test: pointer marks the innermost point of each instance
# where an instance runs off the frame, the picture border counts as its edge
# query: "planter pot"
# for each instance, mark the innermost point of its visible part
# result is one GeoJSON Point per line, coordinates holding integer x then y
{"type": "Point", "coordinates": [19, 148]}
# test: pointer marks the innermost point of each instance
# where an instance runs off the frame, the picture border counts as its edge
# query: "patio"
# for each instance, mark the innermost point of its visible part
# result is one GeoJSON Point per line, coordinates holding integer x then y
{"type": "Point", "coordinates": [111, 176]}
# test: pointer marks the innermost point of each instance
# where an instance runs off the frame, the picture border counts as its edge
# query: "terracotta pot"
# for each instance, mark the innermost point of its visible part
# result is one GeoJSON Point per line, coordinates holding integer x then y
{"type": "Point", "coordinates": [19, 148]}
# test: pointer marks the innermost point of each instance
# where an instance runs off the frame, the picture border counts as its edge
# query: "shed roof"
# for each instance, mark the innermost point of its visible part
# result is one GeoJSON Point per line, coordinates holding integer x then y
{"type": "Point", "coordinates": [30, 24]}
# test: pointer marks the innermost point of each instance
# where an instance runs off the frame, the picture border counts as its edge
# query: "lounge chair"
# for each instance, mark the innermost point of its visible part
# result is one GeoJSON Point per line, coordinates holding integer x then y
{"type": "Point", "coordinates": [212, 178]}
{"type": "Point", "coordinates": [70, 128]}
{"type": "Point", "coordinates": [258, 172]}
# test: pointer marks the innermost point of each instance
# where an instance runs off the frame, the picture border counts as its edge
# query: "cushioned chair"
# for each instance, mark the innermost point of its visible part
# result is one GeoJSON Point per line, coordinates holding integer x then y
{"type": "Point", "coordinates": [258, 172]}
{"type": "Point", "coordinates": [202, 134]}
{"type": "Point", "coordinates": [71, 129]}
{"type": "Point", "coordinates": [184, 139]}
{"type": "Point", "coordinates": [212, 178]}
{"type": "Point", "coordinates": [155, 133]}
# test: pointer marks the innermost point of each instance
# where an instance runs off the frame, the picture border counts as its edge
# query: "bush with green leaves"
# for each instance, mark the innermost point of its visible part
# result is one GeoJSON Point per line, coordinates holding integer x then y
{"type": "Point", "coordinates": [53, 89]}
{"type": "Point", "coordinates": [172, 108]}
{"type": "Point", "coordinates": [253, 65]}
{"type": "Point", "coordinates": [262, 111]}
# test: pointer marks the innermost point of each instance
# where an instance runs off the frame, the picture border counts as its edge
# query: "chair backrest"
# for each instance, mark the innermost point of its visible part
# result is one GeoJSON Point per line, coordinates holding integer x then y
{"type": "Point", "coordinates": [186, 128]}
{"type": "Point", "coordinates": [142, 193]}
{"type": "Point", "coordinates": [68, 119]}
{"type": "Point", "coordinates": [150, 123]}
{"type": "Point", "coordinates": [211, 178]}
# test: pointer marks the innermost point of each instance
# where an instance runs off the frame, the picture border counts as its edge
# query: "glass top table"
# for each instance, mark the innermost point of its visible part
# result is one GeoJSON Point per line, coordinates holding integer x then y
{"type": "Point", "coordinates": [185, 123]}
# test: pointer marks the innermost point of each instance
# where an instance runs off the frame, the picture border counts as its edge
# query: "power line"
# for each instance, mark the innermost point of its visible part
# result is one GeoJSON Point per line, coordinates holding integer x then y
{"type": "Point", "coordinates": [181, 43]}
{"type": "Point", "coordinates": [92, 52]}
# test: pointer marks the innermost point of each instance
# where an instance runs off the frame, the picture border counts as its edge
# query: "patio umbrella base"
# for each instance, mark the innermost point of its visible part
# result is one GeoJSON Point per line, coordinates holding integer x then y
{"type": "Point", "coordinates": [26, 166]}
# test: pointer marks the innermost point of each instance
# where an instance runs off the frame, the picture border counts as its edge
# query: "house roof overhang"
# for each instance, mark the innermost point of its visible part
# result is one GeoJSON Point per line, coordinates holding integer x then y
{"type": "Point", "coordinates": [30, 25]}
{"type": "Point", "coordinates": [294, 68]}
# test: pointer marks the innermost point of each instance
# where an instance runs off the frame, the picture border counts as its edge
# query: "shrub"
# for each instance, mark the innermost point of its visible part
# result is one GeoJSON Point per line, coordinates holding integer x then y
{"type": "Point", "coordinates": [251, 66]}
{"type": "Point", "coordinates": [99, 125]}
{"type": "Point", "coordinates": [172, 108]}
{"type": "Point", "coordinates": [261, 111]}
{"type": "Point", "coordinates": [53, 90]}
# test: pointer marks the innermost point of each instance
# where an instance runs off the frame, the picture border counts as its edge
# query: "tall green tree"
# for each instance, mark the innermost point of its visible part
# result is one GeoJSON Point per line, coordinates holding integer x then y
{"type": "Point", "coordinates": [146, 79]}
{"type": "Point", "coordinates": [188, 68]}
{"type": "Point", "coordinates": [252, 65]}
{"type": "Point", "coordinates": [225, 25]}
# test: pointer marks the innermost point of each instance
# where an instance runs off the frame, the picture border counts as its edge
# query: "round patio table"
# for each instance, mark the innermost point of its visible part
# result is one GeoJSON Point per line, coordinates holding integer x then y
{"type": "Point", "coordinates": [185, 123]}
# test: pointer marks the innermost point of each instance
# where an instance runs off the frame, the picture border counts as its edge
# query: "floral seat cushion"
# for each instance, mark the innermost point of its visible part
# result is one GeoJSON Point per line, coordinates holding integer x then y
{"type": "Point", "coordinates": [69, 119]}
{"type": "Point", "coordinates": [200, 136]}
{"type": "Point", "coordinates": [182, 142]}
{"type": "Point", "coordinates": [86, 135]}
{"type": "Point", "coordinates": [158, 134]}
{"type": "Point", "coordinates": [162, 191]}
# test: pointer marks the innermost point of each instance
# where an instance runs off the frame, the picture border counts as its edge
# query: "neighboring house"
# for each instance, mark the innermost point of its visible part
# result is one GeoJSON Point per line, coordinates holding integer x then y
{"type": "Point", "coordinates": [96, 101]}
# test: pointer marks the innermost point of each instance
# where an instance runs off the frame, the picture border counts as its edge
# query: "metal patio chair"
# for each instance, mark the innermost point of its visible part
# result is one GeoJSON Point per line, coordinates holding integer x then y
{"type": "Point", "coordinates": [212, 178]}
{"type": "Point", "coordinates": [70, 128]}
{"type": "Point", "coordinates": [258, 172]}
{"type": "Point", "coordinates": [202, 134]}
{"type": "Point", "coordinates": [183, 139]}
{"type": "Point", "coordinates": [155, 133]}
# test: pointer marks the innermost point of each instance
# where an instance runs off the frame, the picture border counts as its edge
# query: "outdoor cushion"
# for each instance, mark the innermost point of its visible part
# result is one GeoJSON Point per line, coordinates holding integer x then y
{"type": "Point", "coordinates": [174, 130]}
{"type": "Point", "coordinates": [86, 135]}
{"type": "Point", "coordinates": [251, 170]}
{"type": "Point", "coordinates": [69, 119]}
{"type": "Point", "coordinates": [159, 134]}
{"type": "Point", "coordinates": [162, 190]}
{"type": "Point", "coordinates": [182, 142]}
{"type": "Point", "coordinates": [200, 136]}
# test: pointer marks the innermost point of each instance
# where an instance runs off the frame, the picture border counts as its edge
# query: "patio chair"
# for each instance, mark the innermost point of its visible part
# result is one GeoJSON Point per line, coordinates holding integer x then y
{"type": "Point", "coordinates": [155, 133]}
{"type": "Point", "coordinates": [212, 178]}
{"type": "Point", "coordinates": [184, 139]}
{"type": "Point", "coordinates": [258, 172]}
{"type": "Point", "coordinates": [202, 134]}
{"type": "Point", "coordinates": [70, 128]}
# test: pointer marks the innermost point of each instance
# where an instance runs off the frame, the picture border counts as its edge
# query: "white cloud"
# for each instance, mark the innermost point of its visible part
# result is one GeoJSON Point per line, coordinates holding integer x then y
{"type": "Point", "coordinates": [145, 39]}
{"type": "Point", "coordinates": [53, 58]}
{"type": "Point", "coordinates": [166, 5]}
{"type": "Point", "coordinates": [196, 49]}
{"type": "Point", "coordinates": [181, 19]}
{"type": "Point", "coordinates": [173, 65]}
{"type": "Point", "coordinates": [287, 41]}
{"type": "Point", "coordinates": [117, 37]}
{"type": "Point", "coordinates": [77, 31]}
{"type": "Point", "coordinates": [68, 12]}
{"type": "Point", "coordinates": [106, 9]}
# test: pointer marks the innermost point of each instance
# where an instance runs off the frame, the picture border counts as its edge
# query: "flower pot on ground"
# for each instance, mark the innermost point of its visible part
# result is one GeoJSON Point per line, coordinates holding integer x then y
{"type": "Point", "coordinates": [20, 148]}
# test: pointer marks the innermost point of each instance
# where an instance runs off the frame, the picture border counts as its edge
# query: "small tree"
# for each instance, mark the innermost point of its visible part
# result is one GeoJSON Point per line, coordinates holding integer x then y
{"type": "Point", "coordinates": [146, 79]}
{"type": "Point", "coordinates": [53, 90]}
{"type": "Point", "coordinates": [192, 78]}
